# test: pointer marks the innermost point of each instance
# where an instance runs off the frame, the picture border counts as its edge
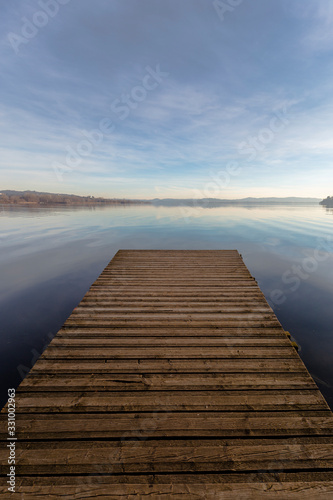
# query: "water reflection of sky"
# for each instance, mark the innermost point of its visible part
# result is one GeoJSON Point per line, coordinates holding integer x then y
{"type": "Point", "coordinates": [49, 257]}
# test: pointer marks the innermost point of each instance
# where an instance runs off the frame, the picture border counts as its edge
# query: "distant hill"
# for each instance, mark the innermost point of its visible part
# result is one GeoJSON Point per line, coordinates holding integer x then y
{"type": "Point", "coordinates": [327, 202]}
{"type": "Point", "coordinates": [11, 197]}
{"type": "Point", "coordinates": [214, 202]}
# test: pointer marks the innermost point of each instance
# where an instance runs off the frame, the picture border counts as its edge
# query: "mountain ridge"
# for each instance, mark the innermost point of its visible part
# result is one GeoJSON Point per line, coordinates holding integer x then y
{"type": "Point", "coordinates": [9, 196]}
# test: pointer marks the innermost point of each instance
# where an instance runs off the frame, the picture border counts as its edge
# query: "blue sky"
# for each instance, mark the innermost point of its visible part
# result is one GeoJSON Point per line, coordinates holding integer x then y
{"type": "Point", "coordinates": [155, 98]}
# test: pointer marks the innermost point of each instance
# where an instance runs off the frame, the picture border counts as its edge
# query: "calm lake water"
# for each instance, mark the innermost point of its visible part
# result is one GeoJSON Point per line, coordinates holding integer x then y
{"type": "Point", "coordinates": [50, 256]}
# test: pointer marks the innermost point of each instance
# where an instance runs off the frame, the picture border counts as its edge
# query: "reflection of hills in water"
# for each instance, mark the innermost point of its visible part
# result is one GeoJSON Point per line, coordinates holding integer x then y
{"type": "Point", "coordinates": [245, 202]}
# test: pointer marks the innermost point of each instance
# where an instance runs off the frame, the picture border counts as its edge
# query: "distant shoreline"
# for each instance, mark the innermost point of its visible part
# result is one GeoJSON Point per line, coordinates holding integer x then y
{"type": "Point", "coordinates": [82, 204]}
{"type": "Point", "coordinates": [34, 198]}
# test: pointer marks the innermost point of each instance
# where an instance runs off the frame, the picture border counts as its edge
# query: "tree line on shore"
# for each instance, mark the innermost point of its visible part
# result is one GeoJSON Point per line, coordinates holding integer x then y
{"type": "Point", "coordinates": [327, 202]}
{"type": "Point", "coordinates": [35, 198]}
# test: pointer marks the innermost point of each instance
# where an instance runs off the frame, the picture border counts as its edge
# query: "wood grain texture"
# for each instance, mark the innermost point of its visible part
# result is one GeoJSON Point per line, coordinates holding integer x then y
{"type": "Point", "coordinates": [173, 378]}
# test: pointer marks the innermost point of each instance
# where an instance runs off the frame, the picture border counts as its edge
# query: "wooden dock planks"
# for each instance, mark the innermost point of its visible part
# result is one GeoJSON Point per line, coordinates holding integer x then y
{"type": "Point", "coordinates": [172, 379]}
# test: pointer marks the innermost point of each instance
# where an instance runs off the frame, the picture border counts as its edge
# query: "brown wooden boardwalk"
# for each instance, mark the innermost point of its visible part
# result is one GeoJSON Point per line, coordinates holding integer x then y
{"type": "Point", "coordinates": [172, 379]}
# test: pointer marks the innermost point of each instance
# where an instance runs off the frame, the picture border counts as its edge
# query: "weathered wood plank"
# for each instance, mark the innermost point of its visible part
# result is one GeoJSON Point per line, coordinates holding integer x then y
{"type": "Point", "coordinates": [172, 425]}
{"type": "Point", "coordinates": [278, 341]}
{"type": "Point", "coordinates": [150, 400]}
{"type": "Point", "coordinates": [174, 456]}
{"type": "Point", "coordinates": [240, 365]}
{"type": "Point", "coordinates": [134, 323]}
{"type": "Point", "coordinates": [252, 293]}
{"type": "Point", "coordinates": [91, 487]}
{"type": "Point", "coordinates": [111, 309]}
{"type": "Point", "coordinates": [178, 352]}
{"type": "Point", "coordinates": [168, 332]}
{"type": "Point", "coordinates": [123, 302]}
{"type": "Point", "coordinates": [159, 316]}
{"type": "Point", "coordinates": [225, 478]}
{"type": "Point", "coordinates": [129, 382]}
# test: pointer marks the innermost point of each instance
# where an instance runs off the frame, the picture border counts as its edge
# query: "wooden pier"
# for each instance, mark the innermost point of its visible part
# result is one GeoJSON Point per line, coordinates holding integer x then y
{"type": "Point", "coordinates": [173, 378]}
